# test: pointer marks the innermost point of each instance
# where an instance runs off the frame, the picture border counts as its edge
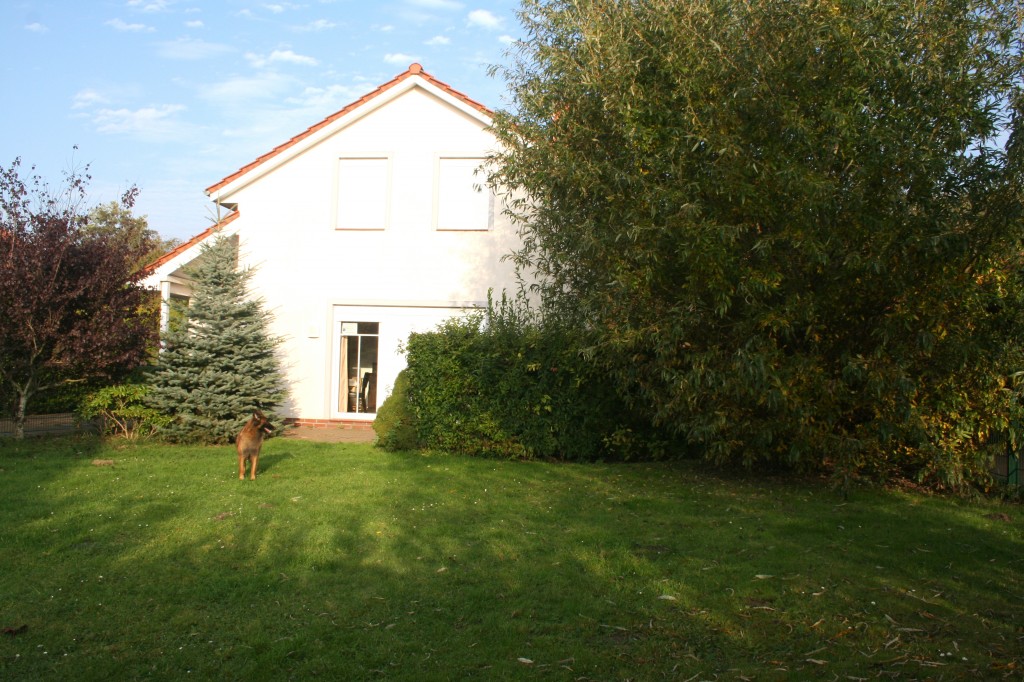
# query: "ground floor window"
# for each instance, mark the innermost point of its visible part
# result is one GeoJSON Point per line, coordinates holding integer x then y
{"type": "Point", "coordinates": [358, 367]}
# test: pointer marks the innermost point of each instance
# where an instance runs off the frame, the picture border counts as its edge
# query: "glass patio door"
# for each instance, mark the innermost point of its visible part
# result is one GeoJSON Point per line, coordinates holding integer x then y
{"type": "Point", "coordinates": [357, 367]}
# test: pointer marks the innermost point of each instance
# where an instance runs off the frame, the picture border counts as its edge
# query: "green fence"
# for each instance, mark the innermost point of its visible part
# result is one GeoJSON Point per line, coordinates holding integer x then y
{"type": "Point", "coordinates": [1006, 468]}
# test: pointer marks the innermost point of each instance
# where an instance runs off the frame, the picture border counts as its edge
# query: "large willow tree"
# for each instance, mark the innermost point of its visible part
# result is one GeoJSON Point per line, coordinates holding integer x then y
{"type": "Point", "coordinates": [792, 228]}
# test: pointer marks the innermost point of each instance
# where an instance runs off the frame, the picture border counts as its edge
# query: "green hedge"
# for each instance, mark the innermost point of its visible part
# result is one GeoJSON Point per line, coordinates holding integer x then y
{"type": "Point", "coordinates": [395, 424]}
{"type": "Point", "coordinates": [501, 383]}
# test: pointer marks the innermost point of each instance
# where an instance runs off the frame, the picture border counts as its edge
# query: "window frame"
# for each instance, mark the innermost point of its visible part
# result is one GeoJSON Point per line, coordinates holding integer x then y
{"type": "Point", "coordinates": [339, 177]}
{"type": "Point", "coordinates": [439, 216]}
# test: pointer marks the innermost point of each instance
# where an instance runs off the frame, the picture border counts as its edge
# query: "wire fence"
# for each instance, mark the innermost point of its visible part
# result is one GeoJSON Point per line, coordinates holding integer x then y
{"type": "Point", "coordinates": [65, 423]}
{"type": "Point", "coordinates": [1006, 468]}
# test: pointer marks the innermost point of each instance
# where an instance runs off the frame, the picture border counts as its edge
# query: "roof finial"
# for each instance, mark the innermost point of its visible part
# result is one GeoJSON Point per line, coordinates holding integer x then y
{"type": "Point", "coordinates": [415, 67]}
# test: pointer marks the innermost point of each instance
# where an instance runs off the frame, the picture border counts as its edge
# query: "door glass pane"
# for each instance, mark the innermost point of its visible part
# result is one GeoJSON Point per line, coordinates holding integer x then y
{"type": "Point", "coordinates": [343, 389]}
{"type": "Point", "coordinates": [358, 366]}
{"type": "Point", "coordinates": [368, 374]}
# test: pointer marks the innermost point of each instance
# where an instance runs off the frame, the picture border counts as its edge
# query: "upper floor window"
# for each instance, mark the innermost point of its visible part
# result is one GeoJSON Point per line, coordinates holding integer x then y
{"type": "Point", "coordinates": [462, 199]}
{"type": "Point", "coordinates": [363, 193]}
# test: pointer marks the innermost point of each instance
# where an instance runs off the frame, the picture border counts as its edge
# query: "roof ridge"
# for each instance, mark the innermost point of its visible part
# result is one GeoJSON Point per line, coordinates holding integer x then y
{"type": "Point", "coordinates": [415, 69]}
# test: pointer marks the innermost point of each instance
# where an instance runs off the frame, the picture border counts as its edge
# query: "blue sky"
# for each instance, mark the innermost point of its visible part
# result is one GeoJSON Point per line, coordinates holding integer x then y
{"type": "Point", "coordinates": [173, 95]}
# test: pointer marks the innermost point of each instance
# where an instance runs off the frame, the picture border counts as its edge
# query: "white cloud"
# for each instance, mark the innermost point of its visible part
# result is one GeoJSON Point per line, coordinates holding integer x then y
{"type": "Point", "coordinates": [149, 5]}
{"type": "Point", "coordinates": [387, 28]}
{"type": "Point", "coordinates": [237, 92]}
{"type": "Point", "coordinates": [259, 123]}
{"type": "Point", "coordinates": [290, 57]}
{"type": "Point", "coordinates": [318, 25]}
{"type": "Point", "coordinates": [276, 9]}
{"type": "Point", "coordinates": [195, 23]}
{"type": "Point", "coordinates": [36, 27]}
{"type": "Point", "coordinates": [484, 19]}
{"type": "Point", "coordinates": [438, 40]}
{"type": "Point", "coordinates": [146, 122]}
{"type": "Point", "coordinates": [120, 25]}
{"type": "Point", "coordinates": [286, 56]}
{"type": "Point", "coordinates": [84, 99]}
{"type": "Point", "coordinates": [436, 4]}
{"type": "Point", "coordinates": [506, 40]}
{"type": "Point", "coordinates": [190, 49]}
{"type": "Point", "coordinates": [330, 98]}
{"type": "Point", "coordinates": [259, 112]}
{"type": "Point", "coordinates": [398, 58]}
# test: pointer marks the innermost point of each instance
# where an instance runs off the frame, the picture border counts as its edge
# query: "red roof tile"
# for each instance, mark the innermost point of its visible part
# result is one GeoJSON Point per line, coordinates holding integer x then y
{"type": "Point", "coordinates": [413, 70]}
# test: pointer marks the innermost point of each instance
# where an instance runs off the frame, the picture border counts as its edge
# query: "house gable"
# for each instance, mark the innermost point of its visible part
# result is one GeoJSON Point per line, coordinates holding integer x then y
{"type": "Point", "coordinates": [221, 191]}
{"type": "Point", "coordinates": [413, 77]}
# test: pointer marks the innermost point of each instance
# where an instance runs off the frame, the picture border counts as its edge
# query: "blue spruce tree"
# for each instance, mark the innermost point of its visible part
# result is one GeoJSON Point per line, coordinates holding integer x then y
{"type": "Point", "coordinates": [218, 362]}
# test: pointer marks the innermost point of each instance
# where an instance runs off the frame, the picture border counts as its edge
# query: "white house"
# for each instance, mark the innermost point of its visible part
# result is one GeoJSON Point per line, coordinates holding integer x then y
{"type": "Point", "coordinates": [365, 227]}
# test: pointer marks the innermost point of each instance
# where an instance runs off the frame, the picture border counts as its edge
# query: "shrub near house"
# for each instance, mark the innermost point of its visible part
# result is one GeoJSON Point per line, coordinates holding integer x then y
{"type": "Point", "coordinates": [502, 384]}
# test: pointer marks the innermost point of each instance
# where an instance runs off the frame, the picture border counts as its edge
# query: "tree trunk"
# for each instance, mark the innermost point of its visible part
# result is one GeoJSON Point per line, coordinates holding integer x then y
{"type": "Point", "coordinates": [19, 415]}
{"type": "Point", "coordinates": [23, 392]}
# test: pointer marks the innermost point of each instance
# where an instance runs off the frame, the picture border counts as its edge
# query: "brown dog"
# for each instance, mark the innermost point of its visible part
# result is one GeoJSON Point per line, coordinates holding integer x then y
{"type": "Point", "coordinates": [249, 442]}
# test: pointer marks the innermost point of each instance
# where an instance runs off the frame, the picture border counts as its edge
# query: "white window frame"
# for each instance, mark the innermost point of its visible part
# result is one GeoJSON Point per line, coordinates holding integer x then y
{"type": "Point", "coordinates": [481, 207]}
{"type": "Point", "coordinates": [381, 194]}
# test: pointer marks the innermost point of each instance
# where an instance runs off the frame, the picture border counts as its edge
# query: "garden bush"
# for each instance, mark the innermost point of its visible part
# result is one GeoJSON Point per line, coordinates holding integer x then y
{"type": "Point", "coordinates": [503, 383]}
{"type": "Point", "coordinates": [122, 410]}
{"type": "Point", "coordinates": [395, 424]}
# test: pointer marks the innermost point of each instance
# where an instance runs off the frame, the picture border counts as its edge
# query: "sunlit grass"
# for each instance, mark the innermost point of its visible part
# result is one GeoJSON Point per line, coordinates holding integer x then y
{"type": "Point", "coordinates": [345, 562]}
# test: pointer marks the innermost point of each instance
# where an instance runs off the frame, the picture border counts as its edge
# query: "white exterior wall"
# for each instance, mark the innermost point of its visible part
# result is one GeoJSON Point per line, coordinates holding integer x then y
{"type": "Point", "coordinates": [408, 277]}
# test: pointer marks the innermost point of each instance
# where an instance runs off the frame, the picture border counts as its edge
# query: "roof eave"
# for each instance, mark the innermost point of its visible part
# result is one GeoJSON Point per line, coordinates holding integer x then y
{"type": "Point", "coordinates": [182, 253]}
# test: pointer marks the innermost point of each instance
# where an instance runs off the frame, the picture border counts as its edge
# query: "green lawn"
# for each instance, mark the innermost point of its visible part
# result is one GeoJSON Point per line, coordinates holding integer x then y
{"type": "Point", "coordinates": [345, 562]}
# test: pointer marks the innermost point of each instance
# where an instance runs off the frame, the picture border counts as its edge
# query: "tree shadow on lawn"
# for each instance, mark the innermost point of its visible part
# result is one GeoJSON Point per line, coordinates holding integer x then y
{"type": "Point", "coordinates": [269, 460]}
{"type": "Point", "coordinates": [53, 446]}
{"type": "Point", "coordinates": [357, 562]}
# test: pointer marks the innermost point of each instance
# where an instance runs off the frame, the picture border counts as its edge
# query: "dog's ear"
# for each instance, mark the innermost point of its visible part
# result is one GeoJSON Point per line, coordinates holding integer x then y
{"type": "Point", "coordinates": [258, 414]}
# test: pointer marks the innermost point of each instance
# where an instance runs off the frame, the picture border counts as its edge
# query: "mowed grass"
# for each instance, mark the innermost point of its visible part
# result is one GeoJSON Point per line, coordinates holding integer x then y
{"type": "Point", "coordinates": [345, 562]}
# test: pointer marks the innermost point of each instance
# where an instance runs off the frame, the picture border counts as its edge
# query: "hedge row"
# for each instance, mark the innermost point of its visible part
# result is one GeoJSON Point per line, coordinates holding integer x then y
{"type": "Point", "coordinates": [500, 383]}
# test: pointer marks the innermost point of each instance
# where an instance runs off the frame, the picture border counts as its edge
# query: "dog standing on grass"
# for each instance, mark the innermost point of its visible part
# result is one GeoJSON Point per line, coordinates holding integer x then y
{"type": "Point", "coordinates": [249, 442]}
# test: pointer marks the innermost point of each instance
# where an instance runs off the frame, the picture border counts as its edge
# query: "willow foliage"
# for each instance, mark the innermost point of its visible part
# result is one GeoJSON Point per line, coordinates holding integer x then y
{"type": "Point", "coordinates": [793, 227]}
